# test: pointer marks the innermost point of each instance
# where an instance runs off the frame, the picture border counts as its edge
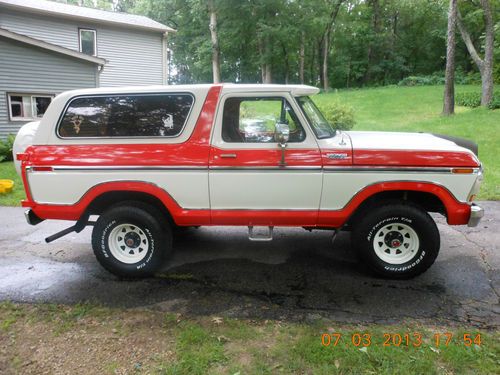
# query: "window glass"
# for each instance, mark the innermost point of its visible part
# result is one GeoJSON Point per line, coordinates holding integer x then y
{"type": "Point", "coordinates": [321, 127]}
{"type": "Point", "coordinates": [253, 120]}
{"type": "Point", "coordinates": [126, 116]}
{"type": "Point", "coordinates": [26, 107]}
{"type": "Point", "coordinates": [87, 42]}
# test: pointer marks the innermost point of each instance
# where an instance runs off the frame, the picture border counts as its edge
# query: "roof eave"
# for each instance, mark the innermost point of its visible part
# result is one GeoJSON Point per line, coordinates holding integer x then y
{"type": "Point", "coordinates": [51, 47]}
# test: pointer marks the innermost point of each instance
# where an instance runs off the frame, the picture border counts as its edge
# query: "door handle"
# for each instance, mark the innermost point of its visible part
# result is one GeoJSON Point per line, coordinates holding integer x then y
{"type": "Point", "coordinates": [228, 156]}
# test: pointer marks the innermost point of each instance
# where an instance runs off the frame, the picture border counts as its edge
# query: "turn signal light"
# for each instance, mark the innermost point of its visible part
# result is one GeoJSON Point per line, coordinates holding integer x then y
{"type": "Point", "coordinates": [462, 170]}
{"type": "Point", "coordinates": [42, 169]}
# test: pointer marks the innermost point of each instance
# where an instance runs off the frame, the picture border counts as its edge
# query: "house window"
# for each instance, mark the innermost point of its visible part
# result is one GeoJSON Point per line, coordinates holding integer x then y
{"type": "Point", "coordinates": [23, 107]}
{"type": "Point", "coordinates": [88, 42]}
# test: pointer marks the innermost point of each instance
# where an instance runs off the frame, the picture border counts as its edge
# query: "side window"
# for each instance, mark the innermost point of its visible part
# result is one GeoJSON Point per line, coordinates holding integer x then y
{"type": "Point", "coordinates": [254, 119]}
{"type": "Point", "coordinates": [126, 116]}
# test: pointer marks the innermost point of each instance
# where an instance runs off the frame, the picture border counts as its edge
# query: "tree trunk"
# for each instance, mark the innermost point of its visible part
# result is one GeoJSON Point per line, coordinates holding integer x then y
{"type": "Point", "coordinates": [449, 85]}
{"type": "Point", "coordinates": [485, 65]}
{"type": "Point", "coordinates": [215, 42]}
{"type": "Point", "coordinates": [325, 63]}
{"type": "Point", "coordinates": [487, 75]}
{"type": "Point", "coordinates": [301, 58]}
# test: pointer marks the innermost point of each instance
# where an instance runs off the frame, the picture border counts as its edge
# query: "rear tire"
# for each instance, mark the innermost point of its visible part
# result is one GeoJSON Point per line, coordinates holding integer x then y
{"type": "Point", "coordinates": [397, 241]}
{"type": "Point", "coordinates": [131, 240]}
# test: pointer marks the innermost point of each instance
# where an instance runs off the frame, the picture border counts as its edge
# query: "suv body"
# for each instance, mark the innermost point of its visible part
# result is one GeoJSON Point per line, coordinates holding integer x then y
{"type": "Point", "coordinates": [152, 160]}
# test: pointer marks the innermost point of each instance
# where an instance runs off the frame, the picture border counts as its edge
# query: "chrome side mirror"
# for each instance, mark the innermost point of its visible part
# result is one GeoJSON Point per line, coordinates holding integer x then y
{"type": "Point", "coordinates": [282, 135]}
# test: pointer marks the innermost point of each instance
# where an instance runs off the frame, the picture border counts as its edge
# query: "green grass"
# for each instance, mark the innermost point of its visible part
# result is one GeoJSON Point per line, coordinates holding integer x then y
{"type": "Point", "coordinates": [214, 345]}
{"type": "Point", "coordinates": [418, 109]}
{"type": "Point", "coordinates": [7, 171]}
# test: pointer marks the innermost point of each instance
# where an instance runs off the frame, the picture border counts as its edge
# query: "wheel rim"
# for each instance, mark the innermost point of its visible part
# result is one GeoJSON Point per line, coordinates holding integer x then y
{"type": "Point", "coordinates": [128, 243]}
{"type": "Point", "coordinates": [396, 243]}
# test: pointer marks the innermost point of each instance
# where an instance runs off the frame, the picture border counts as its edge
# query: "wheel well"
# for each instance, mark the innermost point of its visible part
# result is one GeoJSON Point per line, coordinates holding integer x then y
{"type": "Point", "coordinates": [106, 200]}
{"type": "Point", "coordinates": [427, 201]}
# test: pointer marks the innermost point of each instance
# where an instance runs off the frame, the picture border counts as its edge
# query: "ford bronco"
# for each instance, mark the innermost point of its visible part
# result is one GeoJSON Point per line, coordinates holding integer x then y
{"type": "Point", "coordinates": [149, 161]}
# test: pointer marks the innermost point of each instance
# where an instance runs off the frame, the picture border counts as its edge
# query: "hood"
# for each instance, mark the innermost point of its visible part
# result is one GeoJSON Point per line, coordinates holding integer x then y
{"type": "Point", "coordinates": [410, 149]}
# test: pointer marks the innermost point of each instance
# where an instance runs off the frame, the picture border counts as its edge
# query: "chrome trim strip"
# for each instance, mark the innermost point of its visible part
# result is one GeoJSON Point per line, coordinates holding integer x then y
{"type": "Point", "coordinates": [128, 168]}
{"type": "Point", "coordinates": [276, 168]}
{"type": "Point", "coordinates": [371, 169]}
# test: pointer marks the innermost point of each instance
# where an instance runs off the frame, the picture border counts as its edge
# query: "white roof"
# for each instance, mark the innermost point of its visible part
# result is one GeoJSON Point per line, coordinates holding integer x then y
{"type": "Point", "coordinates": [88, 14]}
{"type": "Point", "coordinates": [295, 90]}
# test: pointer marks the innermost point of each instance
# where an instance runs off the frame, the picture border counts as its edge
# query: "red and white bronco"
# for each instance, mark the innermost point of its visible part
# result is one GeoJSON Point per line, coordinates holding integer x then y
{"type": "Point", "coordinates": [150, 161]}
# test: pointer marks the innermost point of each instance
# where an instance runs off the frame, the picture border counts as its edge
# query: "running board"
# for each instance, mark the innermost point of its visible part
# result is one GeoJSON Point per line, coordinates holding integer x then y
{"type": "Point", "coordinates": [266, 236]}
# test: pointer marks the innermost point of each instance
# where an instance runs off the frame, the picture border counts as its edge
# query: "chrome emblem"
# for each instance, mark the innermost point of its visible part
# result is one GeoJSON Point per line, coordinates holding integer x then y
{"type": "Point", "coordinates": [337, 156]}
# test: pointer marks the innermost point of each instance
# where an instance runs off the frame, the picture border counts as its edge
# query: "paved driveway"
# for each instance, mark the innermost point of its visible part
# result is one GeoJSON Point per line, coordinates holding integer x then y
{"type": "Point", "coordinates": [298, 276]}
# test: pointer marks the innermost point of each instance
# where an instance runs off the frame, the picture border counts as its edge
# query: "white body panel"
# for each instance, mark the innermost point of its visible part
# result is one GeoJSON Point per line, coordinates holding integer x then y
{"type": "Point", "coordinates": [188, 188]}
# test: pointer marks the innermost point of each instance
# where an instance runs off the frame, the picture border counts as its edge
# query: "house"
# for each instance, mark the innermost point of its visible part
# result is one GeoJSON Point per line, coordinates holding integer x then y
{"type": "Point", "coordinates": [48, 47]}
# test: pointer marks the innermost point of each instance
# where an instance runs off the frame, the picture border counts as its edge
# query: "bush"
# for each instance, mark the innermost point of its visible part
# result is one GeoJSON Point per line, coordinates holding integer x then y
{"type": "Point", "coordinates": [437, 78]}
{"type": "Point", "coordinates": [340, 116]}
{"type": "Point", "coordinates": [6, 148]}
{"type": "Point", "coordinates": [473, 100]}
{"type": "Point", "coordinates": [468, 99]}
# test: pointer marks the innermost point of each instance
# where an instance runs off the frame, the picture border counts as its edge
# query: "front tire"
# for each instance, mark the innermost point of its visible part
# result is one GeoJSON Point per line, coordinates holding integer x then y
{"type": "Point", "coordinates": [397, 241]}
{"type": "Point", "coordinates": [131, 240]}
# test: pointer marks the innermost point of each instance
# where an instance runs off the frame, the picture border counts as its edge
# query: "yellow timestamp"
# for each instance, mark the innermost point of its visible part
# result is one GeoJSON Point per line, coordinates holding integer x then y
{"type": "Point", "coordinates": [414, 339]}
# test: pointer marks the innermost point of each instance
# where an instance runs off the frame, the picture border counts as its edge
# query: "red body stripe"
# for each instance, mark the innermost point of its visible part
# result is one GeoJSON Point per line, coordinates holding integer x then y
{"type": "Point", "coordinates": [414, 158]}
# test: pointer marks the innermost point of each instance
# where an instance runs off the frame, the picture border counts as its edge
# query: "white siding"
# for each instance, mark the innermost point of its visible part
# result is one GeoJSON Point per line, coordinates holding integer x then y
{"type": "Point", "coordinates": [29, 69]}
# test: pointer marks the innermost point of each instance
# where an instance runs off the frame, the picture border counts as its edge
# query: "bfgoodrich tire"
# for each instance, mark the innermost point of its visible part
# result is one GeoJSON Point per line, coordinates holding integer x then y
{"type": "Point", "coordinates": [397, 241]}
{"type": "Point", "coordinates": [131, 240]}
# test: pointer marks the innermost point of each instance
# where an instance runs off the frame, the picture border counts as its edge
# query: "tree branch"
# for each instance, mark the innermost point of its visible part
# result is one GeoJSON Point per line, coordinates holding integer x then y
{"type": "Point", "coordinates": [468, 42]}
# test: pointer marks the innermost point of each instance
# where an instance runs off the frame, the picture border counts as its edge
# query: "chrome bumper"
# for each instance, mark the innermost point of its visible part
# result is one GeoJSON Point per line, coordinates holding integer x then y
{"type": "Point", "coordinates": [32, 218]}
{"type": "Point", "coordinates": [476, 214]}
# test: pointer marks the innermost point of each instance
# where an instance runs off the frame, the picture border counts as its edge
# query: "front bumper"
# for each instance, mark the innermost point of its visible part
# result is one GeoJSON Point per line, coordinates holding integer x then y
{"type": "Point", "coordinates": [476, 214]}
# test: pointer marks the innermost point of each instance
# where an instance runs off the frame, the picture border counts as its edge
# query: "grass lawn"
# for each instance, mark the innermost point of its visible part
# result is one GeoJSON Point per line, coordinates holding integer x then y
{"type": "Point", "coordinates": [7, 171]}
{"type": "Point", "coordinates": [58, 338]}
{"type": "Point", "coordinates": [418, 109]}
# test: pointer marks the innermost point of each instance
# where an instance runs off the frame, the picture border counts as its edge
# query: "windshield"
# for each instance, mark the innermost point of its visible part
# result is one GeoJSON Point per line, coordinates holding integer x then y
{"type": "Point", "coordinates": [321, 127]}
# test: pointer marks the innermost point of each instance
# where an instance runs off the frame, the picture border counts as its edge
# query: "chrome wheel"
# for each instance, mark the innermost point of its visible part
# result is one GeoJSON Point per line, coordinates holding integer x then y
{"type": "Point", "coordinates": [128, 243]}
{"type": "Point", "coordinates": [396, 243]}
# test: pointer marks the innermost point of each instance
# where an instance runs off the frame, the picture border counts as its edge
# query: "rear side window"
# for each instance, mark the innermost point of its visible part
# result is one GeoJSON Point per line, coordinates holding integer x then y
{"type": "Point", "coordinates": [157, 115]}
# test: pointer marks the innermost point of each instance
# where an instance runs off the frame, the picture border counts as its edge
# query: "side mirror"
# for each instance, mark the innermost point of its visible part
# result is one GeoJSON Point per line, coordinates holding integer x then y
{"type": "Point", "coordinates": [282, 133]}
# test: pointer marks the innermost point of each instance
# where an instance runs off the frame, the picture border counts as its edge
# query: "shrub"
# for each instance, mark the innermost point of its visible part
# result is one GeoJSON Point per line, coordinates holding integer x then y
{"type": "Point", "coordinates": [468, 99]}
{"type": "Point", "coordinates": [6, 148]}
{"type": "Point", "coordinates": [437, 78]}
{"type": "Point", "coordinates": [473, 100]}
{"type": "Point", "coordinates": [340, 116]}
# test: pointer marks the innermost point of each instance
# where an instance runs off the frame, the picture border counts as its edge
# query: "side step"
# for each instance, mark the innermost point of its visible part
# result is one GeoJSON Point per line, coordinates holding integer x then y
{"type": "Point", "coordinates": [255, 234]}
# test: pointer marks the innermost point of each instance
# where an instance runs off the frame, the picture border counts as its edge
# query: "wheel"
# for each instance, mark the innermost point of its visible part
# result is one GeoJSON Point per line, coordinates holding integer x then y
{"type": "Point", "coordinates": [131, 240]}
{"type": "Point", "coordinates": [397, 241]}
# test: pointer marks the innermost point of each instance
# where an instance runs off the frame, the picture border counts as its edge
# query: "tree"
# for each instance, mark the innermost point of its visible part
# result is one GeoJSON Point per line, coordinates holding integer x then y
{"type": "Point", "coordinates": [325, 41]}
{"type": "Point", "coordinates": [485, 64]}
{"type": "Point", "coordinates": [215, 42]}
{"type": "Point", "coordinates": [449, 86]}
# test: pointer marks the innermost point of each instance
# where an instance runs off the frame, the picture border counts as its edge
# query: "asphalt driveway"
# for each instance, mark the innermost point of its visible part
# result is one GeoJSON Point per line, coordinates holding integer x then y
{"type": "Point", "coordinates": [298, 276]}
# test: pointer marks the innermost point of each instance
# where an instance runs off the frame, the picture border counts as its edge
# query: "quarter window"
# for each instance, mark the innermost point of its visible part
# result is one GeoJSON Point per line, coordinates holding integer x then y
{"type": "Point", "coordinates": [126, 116]}
{"type": "Point", "coordinates": [254, 119]}
{"type": "Point", "coordinates": [88, 42]}
{"type": "Point", "coordinates": [23, 107]}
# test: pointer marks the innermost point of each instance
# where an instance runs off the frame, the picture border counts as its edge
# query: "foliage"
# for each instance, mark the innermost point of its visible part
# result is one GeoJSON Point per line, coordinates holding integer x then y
{"type": "Point", "coordinates": [437, 78]}
{"type": "Point", "coordinates": [468, 99]}
{"type": "Point", "coordinates": [339, 115]}
{"type": "Point", "coordinates": [473, 99]}
{"type": "Point", "coordinates": [8, 172]}
{"type": "Point", "coordinates": [6, 148]}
